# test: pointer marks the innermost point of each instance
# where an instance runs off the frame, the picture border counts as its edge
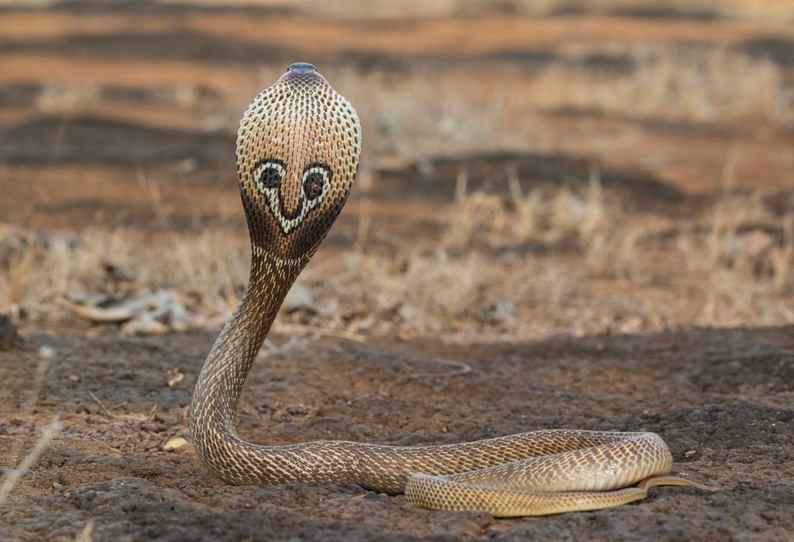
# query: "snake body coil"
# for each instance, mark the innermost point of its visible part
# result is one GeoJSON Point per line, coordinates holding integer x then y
{"type": "Point", "coordinates": [297, 153]}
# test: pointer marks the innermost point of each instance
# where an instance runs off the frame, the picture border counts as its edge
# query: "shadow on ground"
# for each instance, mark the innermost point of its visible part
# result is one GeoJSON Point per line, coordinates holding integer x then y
{"type": "Point", "coordinates": [720, 398]}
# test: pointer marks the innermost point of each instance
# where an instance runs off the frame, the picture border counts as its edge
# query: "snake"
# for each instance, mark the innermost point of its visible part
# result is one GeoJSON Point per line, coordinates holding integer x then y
{"type": "Point", "coordinates": [298, 149]}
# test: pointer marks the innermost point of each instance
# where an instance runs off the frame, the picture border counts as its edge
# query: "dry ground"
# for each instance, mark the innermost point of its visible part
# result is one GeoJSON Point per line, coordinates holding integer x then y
{"type": "Point", "coordinates": [590, 204]}
{"type": "Point", "coordinates": [720, 398]}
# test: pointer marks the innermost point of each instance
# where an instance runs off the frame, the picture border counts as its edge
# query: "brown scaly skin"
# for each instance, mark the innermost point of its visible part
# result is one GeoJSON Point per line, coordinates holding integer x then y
{"type": "Point", "coordinates": [297, 152]}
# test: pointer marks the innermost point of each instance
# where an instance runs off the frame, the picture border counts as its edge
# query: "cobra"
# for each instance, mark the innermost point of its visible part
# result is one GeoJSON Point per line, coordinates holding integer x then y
{"type": "Point", "coordinates": [298, 149]}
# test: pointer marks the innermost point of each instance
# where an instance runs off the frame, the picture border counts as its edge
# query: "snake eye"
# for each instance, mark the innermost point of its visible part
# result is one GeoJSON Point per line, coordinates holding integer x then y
{"type": "Point", "coordinates": [268, 174]}
{"type": "Point", "coordinates": [315, 177]}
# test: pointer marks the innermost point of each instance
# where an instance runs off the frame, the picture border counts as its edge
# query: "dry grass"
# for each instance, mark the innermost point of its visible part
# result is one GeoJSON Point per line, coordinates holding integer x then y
{"type": "Point", "coordinates": [595, 268]}
{"type": "Point", "coordinates": [580, 215]}
{"type": "Point", "coordinates": [209, 270]}
{"type": "Point", "coordinates": [431, 113]}
{"type": "Point", "coordinates": [12, 476]}
{"type": "Point", "coordinates": [85, 534]}
{"type": "Point", "coordinates": [781, 260]}
{"type": "Point", "coordinates": [701, 85]}
{"type": "Point", "coordinates": [435, 112]}
{"type": "Point", "coordinates": [528, 264]}
{"type": "Point", "coordinates": [761, 10]}
{"type": "Point", "coordinates": [422, 288]}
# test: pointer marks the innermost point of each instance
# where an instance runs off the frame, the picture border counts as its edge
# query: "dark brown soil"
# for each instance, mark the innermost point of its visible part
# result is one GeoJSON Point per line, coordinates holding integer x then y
{"type": "Point", "coordinates": [720, 398]}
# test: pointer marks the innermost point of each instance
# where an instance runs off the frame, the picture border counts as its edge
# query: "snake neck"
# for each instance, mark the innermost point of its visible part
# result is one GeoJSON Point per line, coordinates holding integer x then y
{"type": "Point", "coordinates": [221, 380]}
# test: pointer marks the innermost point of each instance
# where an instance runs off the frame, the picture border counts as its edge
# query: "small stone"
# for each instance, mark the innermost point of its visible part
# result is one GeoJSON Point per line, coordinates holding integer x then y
{"type": "Point", "coordinates": [67, 495]}
{"type": "Point", "coordinates": [163, 417]}
{"type": "Point", "coordinates": [153, 427]}
{"type": "Point", "coordinates": [690, 453]}
{"type": "Point", "coordinates": [17, 421]}
{"type": "Point", "coordinates": [173, 378]}
{"type": "Point", "coordinates": [56, 485]}
{"type": "Point", "coordinates": [174, 443]}
{"type": "Point", "coordinates": [74, 378]}
{"type": "Point", "coordinates": [299, 297]}
{"type": "Point", "coordinates": [372, 496]}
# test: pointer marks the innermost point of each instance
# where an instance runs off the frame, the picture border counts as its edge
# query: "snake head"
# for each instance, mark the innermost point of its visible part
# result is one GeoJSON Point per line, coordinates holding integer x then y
{"type": "Point", "coordinates": [297, 153]}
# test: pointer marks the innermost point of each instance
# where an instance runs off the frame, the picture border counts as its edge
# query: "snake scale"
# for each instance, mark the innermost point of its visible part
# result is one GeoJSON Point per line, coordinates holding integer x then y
{"type": "Point", "coordinates": [298, 148]}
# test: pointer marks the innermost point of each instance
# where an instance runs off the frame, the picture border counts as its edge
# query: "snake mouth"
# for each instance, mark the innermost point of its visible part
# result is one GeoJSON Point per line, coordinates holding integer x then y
{"type": "Point", "coordinates": [301, 68]}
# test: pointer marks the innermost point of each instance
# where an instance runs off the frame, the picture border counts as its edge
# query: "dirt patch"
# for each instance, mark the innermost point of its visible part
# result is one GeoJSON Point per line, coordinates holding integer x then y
{"type": "Point", "coordinates": [91, 140]}
{"type": "Point", "coordinates": [150, 7]}
{"type": "Point", "coordinates": [720, 398]}
{"type": "Point", "coordinates": [657, 12]}
{"type": "Point", "coordinates": [193, 46]}
{"type": "Point", "coordinates": [777, 49]}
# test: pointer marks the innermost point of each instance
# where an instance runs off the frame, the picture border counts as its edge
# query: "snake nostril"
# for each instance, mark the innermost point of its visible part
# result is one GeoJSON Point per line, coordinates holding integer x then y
{"type": "Point", "coordinates": [301, 67]}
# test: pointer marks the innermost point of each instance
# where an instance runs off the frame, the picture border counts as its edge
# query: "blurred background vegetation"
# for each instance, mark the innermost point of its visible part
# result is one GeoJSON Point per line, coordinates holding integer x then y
{"type": "Point", "coordinates": [530, 168]}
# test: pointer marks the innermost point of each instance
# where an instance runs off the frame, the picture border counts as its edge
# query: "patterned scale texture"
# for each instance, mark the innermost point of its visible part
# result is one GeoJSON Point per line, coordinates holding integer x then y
{"type": "Point", "coordinates": [298, 149]}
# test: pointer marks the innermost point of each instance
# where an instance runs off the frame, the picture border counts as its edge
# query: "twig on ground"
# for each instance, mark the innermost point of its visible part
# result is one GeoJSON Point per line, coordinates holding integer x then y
{"type": "Point", "coordinates": [46, 355]}
{"type": "Point", "coordinates": [462, 368]}
{"type": "Point", "coordinates": [135, 417]}
{"type": "Point", "coordinates": [101, 404]}
{"type": "Point", "coordinates": [85, 534]}
{"type": "Point", "coordinates": [13, 475]}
